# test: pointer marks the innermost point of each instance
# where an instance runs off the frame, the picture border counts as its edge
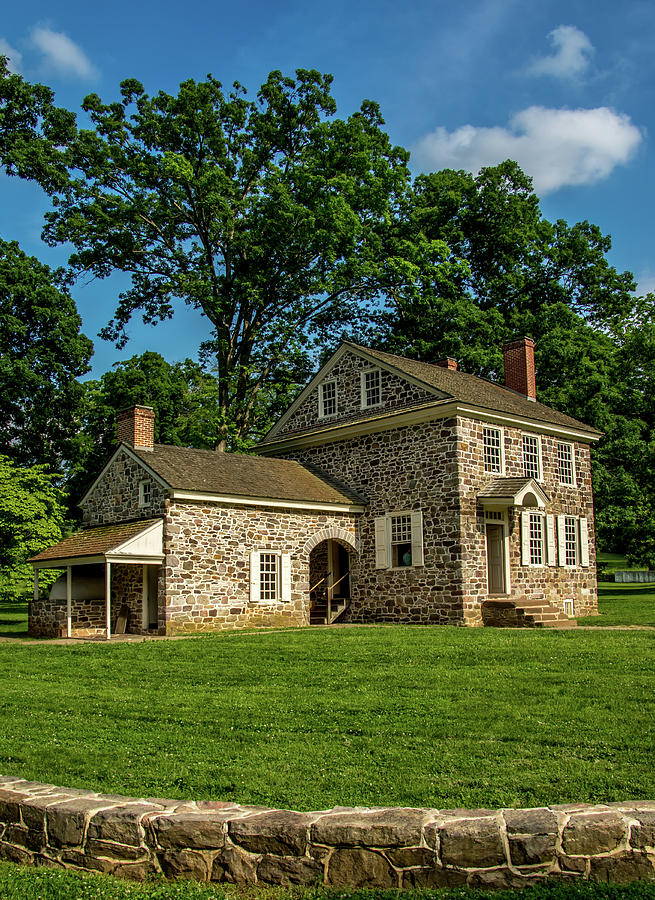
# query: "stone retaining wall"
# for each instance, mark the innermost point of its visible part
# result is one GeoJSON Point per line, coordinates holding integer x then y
{"type": "Point", "coordinates": [41, 824]}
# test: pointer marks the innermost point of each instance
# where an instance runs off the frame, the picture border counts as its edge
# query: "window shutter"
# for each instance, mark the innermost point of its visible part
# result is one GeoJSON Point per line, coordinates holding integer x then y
{"type": "Point", "coordinates": [417, 538]}
{"type": "Point", "coordinates": [254, 576]}
{"type": "Point", "coordinates": [381, 548]}
{"type": "Point", "coordinates": [525, 538]}
{"type": "Point", "coordinates": [285, 569]}
{"type": "Point", "coordinates": [561, 539]}
{"type": "Point", "coordinates": [584, 542]}
{"type": "Point", "coordinates": [550, 534]}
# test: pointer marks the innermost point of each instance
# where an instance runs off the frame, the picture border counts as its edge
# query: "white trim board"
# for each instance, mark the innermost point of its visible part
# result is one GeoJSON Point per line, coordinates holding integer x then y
{"type": "Point", "coordinates": [239, 500]}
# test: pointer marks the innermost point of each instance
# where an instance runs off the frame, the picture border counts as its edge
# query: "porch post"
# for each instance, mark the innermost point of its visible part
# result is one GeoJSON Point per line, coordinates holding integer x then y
{"type": "Point", "coordinates": [108, 599]}
{"type": "Point", "coordinates": [144, 599]}
{"type": "Point", "coordinates": [36, 584]}
{"type": "Point", "coordinates": [69, 600]}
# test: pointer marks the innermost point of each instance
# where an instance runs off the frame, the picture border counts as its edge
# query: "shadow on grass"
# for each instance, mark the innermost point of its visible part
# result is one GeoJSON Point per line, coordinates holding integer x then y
{"type": "Point", "coordinates": [13, 620]}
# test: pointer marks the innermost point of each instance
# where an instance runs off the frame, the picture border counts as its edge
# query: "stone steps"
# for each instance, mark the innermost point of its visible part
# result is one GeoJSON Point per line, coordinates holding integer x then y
{"type": "Point", "coordinates": [535, 612]}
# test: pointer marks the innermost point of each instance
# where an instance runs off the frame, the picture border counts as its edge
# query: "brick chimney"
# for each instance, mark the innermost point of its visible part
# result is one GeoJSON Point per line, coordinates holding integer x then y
{"type": "Point", "coordinates": [136, 426]}
{"type": "Point", "coordinates": [518, 359]}
{"type": "Point", "coordinates": [447, 363]}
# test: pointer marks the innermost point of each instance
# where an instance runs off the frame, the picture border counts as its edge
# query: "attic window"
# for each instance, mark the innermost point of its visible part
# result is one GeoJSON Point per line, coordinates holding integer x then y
{"type": "Point", "coordinates": [145, 493]}
{"type": "Point", "coordinates": [327, 399]}
{"type": "Point", "coordinates": [371, 388]}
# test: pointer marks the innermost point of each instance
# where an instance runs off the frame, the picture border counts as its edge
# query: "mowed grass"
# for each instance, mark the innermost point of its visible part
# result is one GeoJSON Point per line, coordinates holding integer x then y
{"type": "Point", "coordinates": [306, 719]}
{"type": "Point", "coordinates": [18, 883]}
{"type": "Point", "coordinates": [623, 604]}
{"type": "Point", "coordinates": [13, 619]}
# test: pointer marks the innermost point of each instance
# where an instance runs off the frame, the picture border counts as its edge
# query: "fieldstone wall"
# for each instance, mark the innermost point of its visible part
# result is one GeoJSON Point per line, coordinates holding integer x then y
{"type": "Point", "coordinates": [41, 824]}
{"type": "Point", "coordinates": [553, 583]}
{"type": "Point", "coordinates": [207, 549]}
{"type": "Point", "coordinates": [404, 469]}
{"type": "Point", "coordinates": [397, 393]}
{"type": "Point", "coordinates": [116, 497]}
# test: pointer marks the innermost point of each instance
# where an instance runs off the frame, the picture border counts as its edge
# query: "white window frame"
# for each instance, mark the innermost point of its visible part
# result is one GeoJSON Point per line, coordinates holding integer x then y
{"type": "Point", "coordinates": [501, 448]}
{"type": "Point", "coordinates": [571, 447]}
{"type": "Point", "coordinates": [362, 388]}
{"type": "Point", "coordinates": [540, 467]}
{"type": "Point", "coordinates": [145, 493]}
{"type": "Point", "coordinates": [383, 542]}
{"type": "Point", "coordinates": [581, 541]}
{"type": "Point", "coordinates": [321, 398]}
{"type": "Point", "coordinates": [283, 577]}
{"type": "Point", "coordinates": [526, 539]}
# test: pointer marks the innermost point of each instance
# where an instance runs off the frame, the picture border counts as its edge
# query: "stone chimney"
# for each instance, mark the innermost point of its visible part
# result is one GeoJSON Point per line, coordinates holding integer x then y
{"type": "Point", "coordinates": [518, 358]}
{"type": "Point", "coordinates": [136, 426]}
{"type": "Point", "coordinates": [447, 363]}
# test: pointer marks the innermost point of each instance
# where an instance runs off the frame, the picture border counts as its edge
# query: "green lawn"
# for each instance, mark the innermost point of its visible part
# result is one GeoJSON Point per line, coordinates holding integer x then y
{"type": "Point", "coordinates": [420, 716]}
{"type": "Point", "coordinates": [623, 604]}
{"type": "Point", "coordinates": [17, 883]}
{"type": "Point", "coordinates": [13, 619]}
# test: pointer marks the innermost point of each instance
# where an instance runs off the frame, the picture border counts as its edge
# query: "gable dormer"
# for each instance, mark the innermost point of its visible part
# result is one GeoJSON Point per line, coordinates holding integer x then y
{"type": "Point", "coordinates": [352, 385]}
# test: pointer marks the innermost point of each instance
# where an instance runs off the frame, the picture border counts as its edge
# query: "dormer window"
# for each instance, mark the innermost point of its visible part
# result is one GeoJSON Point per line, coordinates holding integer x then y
{"type": "Point", "coordinates": [145, 493]}
{"type": "Point", "coordinates": [371, 388]}
{"type": "Point", "coordinates": [327, 399]}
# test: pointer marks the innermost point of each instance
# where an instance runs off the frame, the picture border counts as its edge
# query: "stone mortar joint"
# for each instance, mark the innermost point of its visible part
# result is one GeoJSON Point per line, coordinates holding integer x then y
{"type": "Point", "coordinates": [386, 847]}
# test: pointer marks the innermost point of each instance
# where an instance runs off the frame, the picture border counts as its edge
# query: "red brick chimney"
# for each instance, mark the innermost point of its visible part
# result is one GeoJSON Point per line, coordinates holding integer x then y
{"type": "Point", "coordinates": [136, 425]}
{"type": "Point", "coordinates": [447, 363]}
{"type": "Point", "coordinates": [518, 358]}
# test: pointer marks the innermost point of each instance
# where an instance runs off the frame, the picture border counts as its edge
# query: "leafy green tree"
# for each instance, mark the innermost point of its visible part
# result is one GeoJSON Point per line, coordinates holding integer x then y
{"type": "Point", "coordinates": [33, 131]}
{"type": "Point", "coordinates": [42, 354]}
{"type": "Point", "coordinates": [269, 215]}
{"type": "Point", "coordinates": [32, 510]}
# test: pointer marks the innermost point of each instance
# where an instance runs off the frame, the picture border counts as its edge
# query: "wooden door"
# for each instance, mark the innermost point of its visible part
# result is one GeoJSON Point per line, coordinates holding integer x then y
{"type": "Point", "coordinates": [496, 559]}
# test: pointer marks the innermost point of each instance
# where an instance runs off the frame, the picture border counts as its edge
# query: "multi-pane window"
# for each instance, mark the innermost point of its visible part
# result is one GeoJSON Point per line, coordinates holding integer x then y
{"type": "Point", "coordinates": [536, 539]}
{"type": "Point", "coordinates": [328, 398]}
{"type": "Point", "coordinates": [401, 541]}
{"type": "Point", "coordinates": [570, 541]}
{"type": "Point", "coordinates": [371, 388]}
{"type": "Point", "coordinates": [268, 576]}
{"type": "Point", "coordinates": [565, 468]}
{"type": "Point", "coordinates": [493, 449]}
{"type": "Point", "coordinates": [145, 493]}
{"type": "Point", "coordinates": [531, 467]}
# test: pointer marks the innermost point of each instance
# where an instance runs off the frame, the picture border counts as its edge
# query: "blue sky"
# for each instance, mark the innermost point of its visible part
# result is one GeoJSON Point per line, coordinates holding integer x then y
{"type": "Point", "coordinates": [568, 89]}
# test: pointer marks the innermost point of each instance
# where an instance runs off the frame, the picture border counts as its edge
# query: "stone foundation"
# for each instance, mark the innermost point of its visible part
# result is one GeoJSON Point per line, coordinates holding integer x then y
{"type": "Point", "coordinates": [41, 824]}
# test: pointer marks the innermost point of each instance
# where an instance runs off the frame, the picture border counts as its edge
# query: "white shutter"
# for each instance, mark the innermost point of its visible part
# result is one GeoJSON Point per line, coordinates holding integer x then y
{"type": "Point", "coordinates": [550, 535]}
{"type": "Point", "coordinates": [525, 538]}
{"type": "Point", "coordinates": [417, 538]}
{"type": "Point", "coordinates": [285, 570]}
{"type": "Point", "coordinates": [561, 539]}
{"type": "Point", "coordinates": [381, 547]}
{"type": "Point", "coordinates": [584, 542]}
{"type": "Point", "coordinates": [254, 576]}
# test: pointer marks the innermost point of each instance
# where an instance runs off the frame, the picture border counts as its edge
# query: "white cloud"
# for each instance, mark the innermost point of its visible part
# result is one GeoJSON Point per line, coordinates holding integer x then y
{"type": "Point", "coordinates": [573, 51]}
{"type": "Point", "coordinates": [63, 54]}
{"type": "Point", "coordinates": [14, 56]}
{"type": "Point", "coordinates": [557, 147]}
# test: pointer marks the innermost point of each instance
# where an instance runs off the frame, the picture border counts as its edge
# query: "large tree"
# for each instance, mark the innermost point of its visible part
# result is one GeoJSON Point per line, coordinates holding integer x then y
{"type": "Point", "coordinates": [269, 215]}
{"type": "Point", "coordinates": [42, 354]}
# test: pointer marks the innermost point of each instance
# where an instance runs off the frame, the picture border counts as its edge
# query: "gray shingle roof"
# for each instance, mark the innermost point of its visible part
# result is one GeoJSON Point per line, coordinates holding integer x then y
{"type": "Point", "coordinates": [504, 488]}
{"type": "Point", "coordinates": [477, 391]}
{"type": "Point", "coordinates": [234, 474]}
{"type": "Point", "coordinates": [93, 541]}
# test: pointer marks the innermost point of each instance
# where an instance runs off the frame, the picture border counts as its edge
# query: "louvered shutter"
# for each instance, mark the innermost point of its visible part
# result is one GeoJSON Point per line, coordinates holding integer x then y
{"type": "Point", "coordinates": [381, 546]}
{"type": "Point", "coordinates": [584, 541]}
{"type": "Point", "coordinates": [254, 576]}
{"type": "Point", "coordinates": [561, 539]}
{"type": "Point", "coordinates": [417, 538]}
{"type": "Point", "coordinates": [285, 576]}
{"type": "Point", "coordinates": [550, 536]}
{"type": "Point", "coordinates": [525, 538]}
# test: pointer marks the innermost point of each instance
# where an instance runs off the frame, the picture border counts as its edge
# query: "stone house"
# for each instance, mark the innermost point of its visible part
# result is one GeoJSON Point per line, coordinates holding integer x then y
{"type": "Point", "coordinates": [390, 491]}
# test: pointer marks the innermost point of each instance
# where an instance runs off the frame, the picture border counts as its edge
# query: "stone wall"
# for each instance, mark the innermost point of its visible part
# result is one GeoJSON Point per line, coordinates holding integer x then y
{"type": "Point", "coordinates": [397, 393]}
{"type": "Point", "coordinates": [378, 848]}
{"type": "Point", "coordinates": [554, 583]}
{"type": "Point", "coordinates": [404, 469]}
{"type": "Point", "coordinates": [207, 548]}
{"type": "Point", "coordinates": [116, 497]}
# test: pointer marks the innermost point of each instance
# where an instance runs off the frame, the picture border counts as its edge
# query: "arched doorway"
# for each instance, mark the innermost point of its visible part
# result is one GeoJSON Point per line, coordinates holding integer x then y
{"type": "Point", "coordinates": [331, 564]}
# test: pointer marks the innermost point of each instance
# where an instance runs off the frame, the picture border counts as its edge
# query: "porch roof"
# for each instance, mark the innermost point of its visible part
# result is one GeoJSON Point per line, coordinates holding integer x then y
{"type": "Point", "coordinates": [136, 542]}
{"type": "Point", "coordinates": [513, 491]}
